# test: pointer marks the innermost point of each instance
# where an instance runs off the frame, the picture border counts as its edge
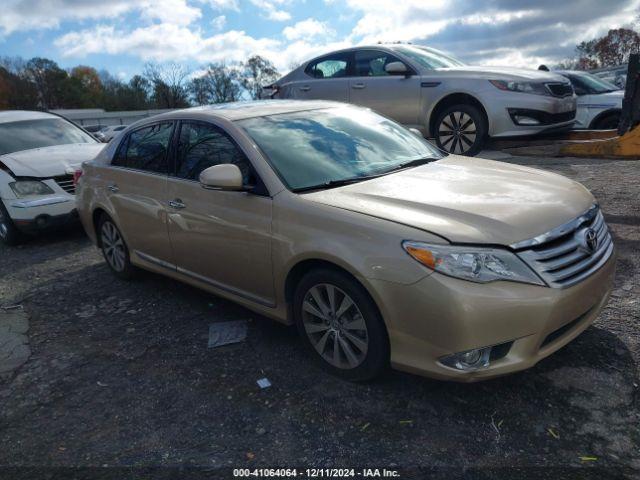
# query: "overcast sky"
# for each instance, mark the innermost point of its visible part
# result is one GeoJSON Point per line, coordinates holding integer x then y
{"type": "Point", "coordinates": [121, 35]}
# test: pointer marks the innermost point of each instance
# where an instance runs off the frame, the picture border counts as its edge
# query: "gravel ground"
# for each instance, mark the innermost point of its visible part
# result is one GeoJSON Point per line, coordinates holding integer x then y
{"type": "Point", "coordinates": [120, 375]}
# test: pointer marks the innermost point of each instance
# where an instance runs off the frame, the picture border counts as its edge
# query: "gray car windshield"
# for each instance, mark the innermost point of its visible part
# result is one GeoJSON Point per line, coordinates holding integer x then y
{"type": "Point", "coordinates": [429, 58]}
{"type": "Point", "coordinates": [46, 132]}
{"type": "Point", "coordinates": [329, 146]}
{"type": "Point", "coordinates": [591, 84]}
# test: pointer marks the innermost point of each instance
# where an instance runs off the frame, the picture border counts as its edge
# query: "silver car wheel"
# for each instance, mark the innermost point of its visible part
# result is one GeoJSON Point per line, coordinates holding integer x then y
{"type": "Point", "coordinates": [113, 246]}
{"type": "Point", "coordinates": [457, 132]}
{"type": "Point", "coordinates": [335, 326]}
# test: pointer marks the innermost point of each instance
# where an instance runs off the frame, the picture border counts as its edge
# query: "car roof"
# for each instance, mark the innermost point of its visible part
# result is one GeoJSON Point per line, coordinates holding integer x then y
{"type": "Point", "coordinates": [248, 109]}
{"type": "Point", "coordinates": [21, 115]}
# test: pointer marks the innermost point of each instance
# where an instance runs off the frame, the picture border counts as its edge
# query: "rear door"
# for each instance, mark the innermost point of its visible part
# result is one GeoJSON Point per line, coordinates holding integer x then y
{"type": "Point", "coordinates": [326, 79]}
{"type": "Point", "coordinates": [394, 96]}
{"type": "Point", "coordinates": [136, 186]}
{"type": "Point", "coordinates": [222, 238]}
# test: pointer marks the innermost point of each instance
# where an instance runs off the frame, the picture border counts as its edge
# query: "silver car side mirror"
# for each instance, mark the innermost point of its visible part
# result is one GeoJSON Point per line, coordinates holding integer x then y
{"type": "Point", "coordinates": [396, 68]}
{"type": "Point", "coordinates": [416, 132]}
{"type": "Point", "coordinates": [222, 177]}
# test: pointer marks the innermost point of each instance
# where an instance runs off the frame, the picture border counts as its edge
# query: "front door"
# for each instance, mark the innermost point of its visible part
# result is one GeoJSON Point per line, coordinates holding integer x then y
{"type": "Point", "coordinates": [218, 237]}
{"type": "Point", "coordinates": [394, 96]}
{"type": "Point", "coordinates": [137, 189]}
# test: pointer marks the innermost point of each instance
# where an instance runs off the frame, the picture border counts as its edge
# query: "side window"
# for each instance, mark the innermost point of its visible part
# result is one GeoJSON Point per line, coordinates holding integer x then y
{"type": "Point", "coordinates": [146, 149]}
{"type": "Point", "coordinates": [371, 63]}
{"type": "Point", "coordinates": [202, 145]}
{"type": "Point", "coordinates": [335, 66]}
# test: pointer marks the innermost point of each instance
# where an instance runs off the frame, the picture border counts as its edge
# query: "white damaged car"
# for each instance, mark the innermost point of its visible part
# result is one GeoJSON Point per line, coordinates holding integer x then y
{"type": "Point", "coordinates": [40, 154]}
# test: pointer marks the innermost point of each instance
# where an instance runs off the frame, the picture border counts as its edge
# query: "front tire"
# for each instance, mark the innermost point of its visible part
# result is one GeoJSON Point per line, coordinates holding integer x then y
{"type": "Point", "coordinates": [608, 122]}
{"type": "Point", "coordinates": [9, 233]}
{"type": "Point", "coordinates": [341, 325]}
{"type": "Point", "coordinates": [114, 248]}
{"type": "Point", "coordinates": [460, 129]}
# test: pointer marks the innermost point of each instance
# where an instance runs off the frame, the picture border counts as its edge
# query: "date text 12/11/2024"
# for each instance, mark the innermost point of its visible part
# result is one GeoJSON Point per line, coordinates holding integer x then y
{"type": "Point", "coordinates": [315, 473]}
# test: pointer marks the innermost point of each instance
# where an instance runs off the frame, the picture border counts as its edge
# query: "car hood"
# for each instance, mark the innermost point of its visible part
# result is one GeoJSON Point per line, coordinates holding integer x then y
{"type": "Point", "coordinates": [50, 161]}
{"type": "Point", "coordinates": [467, 200]}
{"type": "Point", "coordinates": [504, 73]}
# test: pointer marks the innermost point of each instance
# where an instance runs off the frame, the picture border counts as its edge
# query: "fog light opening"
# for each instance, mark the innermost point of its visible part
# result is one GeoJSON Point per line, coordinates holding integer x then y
{"type": "Point", "coordinates": [524, 120]}
{"type": "Point", "coordinates": [468, 361]}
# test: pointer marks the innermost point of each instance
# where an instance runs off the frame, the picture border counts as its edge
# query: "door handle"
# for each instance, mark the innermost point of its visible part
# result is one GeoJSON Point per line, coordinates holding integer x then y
{"type": "Point", "coordinates": [113, 188]}
{"type": "Point", "coordinates": [177, 204]}
{"type": "Point", "coordinates": [358, 86]}
{"type": "Point", "coordinates": [305, 88]}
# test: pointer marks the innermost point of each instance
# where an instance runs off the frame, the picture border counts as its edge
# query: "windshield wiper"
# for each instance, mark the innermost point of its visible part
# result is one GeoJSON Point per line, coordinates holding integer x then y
{"type": "Point", "coordinates": [335, 183]}
{"type": "Point", "coordinates": [410, 164]}
{"type": "Point", "coordinates": [348, 181]}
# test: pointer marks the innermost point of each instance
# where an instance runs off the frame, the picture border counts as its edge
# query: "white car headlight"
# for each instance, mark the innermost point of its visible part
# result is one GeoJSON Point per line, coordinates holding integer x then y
{"type": "Point", "coordinates": [534, 88]}
{"type": "Point", "coordinates": [29, 188]}
{"type": "Point", "coordinates": [475, 264]}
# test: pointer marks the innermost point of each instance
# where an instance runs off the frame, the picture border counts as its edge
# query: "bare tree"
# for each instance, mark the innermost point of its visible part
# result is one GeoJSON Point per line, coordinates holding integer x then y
{"type": "Point", "coordinates": [169, 83]}
{"type": "Point", "coordinates": [258, 72]}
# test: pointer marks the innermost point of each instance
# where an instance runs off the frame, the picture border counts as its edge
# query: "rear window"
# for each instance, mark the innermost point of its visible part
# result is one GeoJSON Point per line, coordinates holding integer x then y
{"type": "Point", "coordinates": [45, 132]}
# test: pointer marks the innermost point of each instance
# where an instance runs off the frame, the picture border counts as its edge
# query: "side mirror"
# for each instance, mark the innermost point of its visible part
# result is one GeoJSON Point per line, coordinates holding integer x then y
{"type": "Point", "coordinates": [416, 132]}
{"type": "Point", "coordinates": [222, 177]}
{"type": "Point", "coordinates": [579, 91]}
{"type": "Point", "coordinates": [396, 68]}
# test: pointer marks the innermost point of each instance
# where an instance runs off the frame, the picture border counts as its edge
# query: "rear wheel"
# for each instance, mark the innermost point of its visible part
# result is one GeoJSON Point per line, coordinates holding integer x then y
{"type": "Point", "coordinates": [460, 129]}
{"type": "Point", "coordinates": [341, 325]}
{"type": "Point", "coordinates": [9, 234]}
{"type": "Point", "coordinates": [114, 248]}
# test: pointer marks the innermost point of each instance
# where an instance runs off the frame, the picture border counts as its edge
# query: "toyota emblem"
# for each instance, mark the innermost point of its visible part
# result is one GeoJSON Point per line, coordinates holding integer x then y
{"type": "Point", "coordinates": [590, 240]}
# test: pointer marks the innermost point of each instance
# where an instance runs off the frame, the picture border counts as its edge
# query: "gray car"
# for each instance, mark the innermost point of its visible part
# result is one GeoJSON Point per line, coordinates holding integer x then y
{"type": "Point", "coordinates": [459, 105]}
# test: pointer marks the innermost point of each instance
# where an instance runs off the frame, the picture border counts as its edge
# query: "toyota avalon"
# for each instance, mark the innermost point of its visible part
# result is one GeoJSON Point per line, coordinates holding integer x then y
{"type": "Point", "coordinates": [380, 248]}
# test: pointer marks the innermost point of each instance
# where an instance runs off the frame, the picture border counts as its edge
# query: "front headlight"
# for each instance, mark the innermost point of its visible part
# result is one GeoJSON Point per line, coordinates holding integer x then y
{"type": "Point", "coordinates": [480, 265]}
{"type": "Point", "coordinates": [29, 188]}
{"type": "Point", "coordinates": [534, 88]}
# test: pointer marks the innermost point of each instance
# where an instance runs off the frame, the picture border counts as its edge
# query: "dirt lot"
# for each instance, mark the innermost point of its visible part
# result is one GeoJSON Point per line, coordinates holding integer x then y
{"type": "Point", "coordinates": [120, 375]}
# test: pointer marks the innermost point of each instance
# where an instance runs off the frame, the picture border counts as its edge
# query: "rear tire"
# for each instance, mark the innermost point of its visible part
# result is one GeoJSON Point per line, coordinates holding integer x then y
{"type": "Point", "coordinates": [340, 324]}
{"type": "Point", "coordinates": [114, 249]}
{"type": "Point", "coordinates": [607, 122]}
{"type": "Point", "coordinates": [9, 233]}
{"type": "Point", "coordinates": [460, 129]}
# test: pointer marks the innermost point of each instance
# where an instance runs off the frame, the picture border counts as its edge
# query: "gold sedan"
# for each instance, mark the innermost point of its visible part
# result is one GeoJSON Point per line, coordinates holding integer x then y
{"type": "Point", "coordinates": [381, 249]}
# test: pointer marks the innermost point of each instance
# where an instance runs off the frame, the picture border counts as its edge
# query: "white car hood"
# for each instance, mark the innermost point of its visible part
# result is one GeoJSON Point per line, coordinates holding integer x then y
{"type": "Point", "coordinates": [50, 161]}
{"type": "Point", "coordinates": [501, 73]}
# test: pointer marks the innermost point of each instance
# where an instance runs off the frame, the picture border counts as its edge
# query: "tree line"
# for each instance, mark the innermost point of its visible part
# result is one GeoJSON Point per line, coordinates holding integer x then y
{"type": "Point", "coordinates": [610, 50]}
{"type": "Point", "coordinates": [40, 84]}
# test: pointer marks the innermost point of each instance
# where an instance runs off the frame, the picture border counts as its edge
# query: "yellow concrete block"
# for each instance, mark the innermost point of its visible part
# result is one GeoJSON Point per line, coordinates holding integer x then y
{"type": "Point", "coordinates": [627, 146]}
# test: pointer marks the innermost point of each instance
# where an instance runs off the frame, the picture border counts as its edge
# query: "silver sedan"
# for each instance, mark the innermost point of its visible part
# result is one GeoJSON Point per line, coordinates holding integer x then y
{"type": "Point", "coordinates": [458, 105]}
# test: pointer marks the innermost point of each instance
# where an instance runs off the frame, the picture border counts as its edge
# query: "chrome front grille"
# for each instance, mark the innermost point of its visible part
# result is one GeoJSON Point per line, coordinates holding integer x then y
{"type": "Point", "coordinates": [560, 89]}
{"type": "Point", "coordinates": [568, 254]}
{"type": "Point", "coordinates": [66, 183]}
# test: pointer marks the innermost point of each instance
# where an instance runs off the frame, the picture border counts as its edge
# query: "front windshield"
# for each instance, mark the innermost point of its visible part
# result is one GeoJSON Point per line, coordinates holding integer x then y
{"type": "Point", "coordinates": [45, 132]}
{"type": "Point", "coordinates": [313, 148]}
{"type": "Point", "coordinates": [591, 84]}
{"type": "Point", "coordinates": [429, 58]}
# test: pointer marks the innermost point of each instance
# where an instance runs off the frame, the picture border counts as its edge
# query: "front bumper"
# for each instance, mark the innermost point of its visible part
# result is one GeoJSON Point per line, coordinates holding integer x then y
{"type": "Point", "coordinates": [440, 315]}
{"type": "Point", "coordinates": [554, 111]}
{"type": "Point", "coordinates": [32, 215]}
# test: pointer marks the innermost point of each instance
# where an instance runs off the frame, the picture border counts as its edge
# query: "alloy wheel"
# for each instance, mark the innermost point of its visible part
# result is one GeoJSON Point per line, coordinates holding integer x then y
{"type": "Point", "coordinates": [457, 132]}
{"type": "Point", "coordinates": [113, 246]}
{"type": "Point", "coordinates": [335, 326]}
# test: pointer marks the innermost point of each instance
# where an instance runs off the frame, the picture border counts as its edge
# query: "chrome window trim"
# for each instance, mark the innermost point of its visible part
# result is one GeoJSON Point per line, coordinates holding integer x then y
{"type": "Point", "coordinates": [558, 231]}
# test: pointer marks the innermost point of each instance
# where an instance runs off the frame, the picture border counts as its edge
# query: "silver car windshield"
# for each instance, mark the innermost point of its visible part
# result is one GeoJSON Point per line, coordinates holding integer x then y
{"type": "Point", "coordinates": [46, 132]}
{"type": "Point", "coordinates": [429, 58]}
{"type": "Point", "coordinates": [329, 146]}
